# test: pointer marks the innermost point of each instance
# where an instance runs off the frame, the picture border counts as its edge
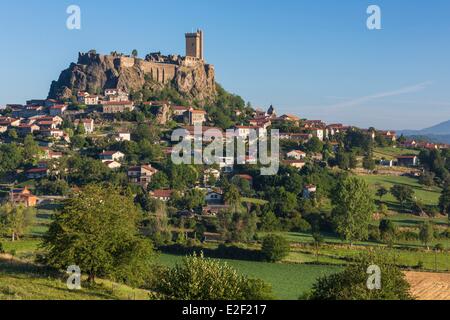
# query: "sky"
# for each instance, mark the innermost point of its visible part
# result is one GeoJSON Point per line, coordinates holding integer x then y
{"type": "Point", "coordinates": [316, 58]}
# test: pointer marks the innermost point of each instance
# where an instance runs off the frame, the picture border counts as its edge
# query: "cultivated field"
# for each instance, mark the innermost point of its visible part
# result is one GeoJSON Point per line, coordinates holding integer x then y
{"type": "Point", "coordinates": [429, 286]}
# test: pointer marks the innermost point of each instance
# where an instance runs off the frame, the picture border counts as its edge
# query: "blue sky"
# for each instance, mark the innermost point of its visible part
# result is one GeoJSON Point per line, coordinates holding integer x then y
{"type": "Point", "coordinates": [315, 58]}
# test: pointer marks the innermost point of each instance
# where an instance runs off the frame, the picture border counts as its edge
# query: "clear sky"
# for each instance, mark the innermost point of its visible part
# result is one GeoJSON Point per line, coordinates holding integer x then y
{"type": "Point", "coordinates": [314, 58]}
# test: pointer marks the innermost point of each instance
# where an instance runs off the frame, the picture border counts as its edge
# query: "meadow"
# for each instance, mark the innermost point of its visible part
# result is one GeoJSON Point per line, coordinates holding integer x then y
{"type": "Point", "coordinates": [289, 281]}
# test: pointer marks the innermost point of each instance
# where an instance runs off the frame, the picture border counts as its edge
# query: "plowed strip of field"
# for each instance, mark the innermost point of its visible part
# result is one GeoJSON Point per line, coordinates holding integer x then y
{"type": "Point", "coordinates": [429, 286]}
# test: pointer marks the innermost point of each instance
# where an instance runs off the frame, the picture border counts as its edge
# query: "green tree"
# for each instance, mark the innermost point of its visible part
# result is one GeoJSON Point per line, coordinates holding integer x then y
{"type": "Point", "coordinates": [269, 222]}
{"type": "Point", "coordinates": [426, 234]}
{"type": "Point", "coordinates": [232, 197]}
{"type": "Point", "coordinates": [388, 230]}
{"type": "Point", "coordinates": [97, 231]}
{"type": "Point", "coordinates": [134, 53]}
{"type": "Point", "coordinates": [351, 284]}
{"type": "Point", "coordinates": [236, 225]}
{"type": "Point", "coordinates": [353, 209]}
{"type": "Point", "coordinates": [444, 201]}
{"type": "Point", "coordinates": [16, 220]}
{"type": "Point", "coordinates": [275, 248]}
{"type": "Point", "coordinates": [381, 192]}
{"type": "Point", "coordinates": [198, 278]}
{"type": "Point", "coordinates": [369, 162]}
{"type": "Point", "coordinates": [404, 194]}
{"type": "Point", "coordinates": [31, 150]}
{"type": "Point", "coordinates": [314, 145]}
{"type": "Point", "coordinates": [159, 181]}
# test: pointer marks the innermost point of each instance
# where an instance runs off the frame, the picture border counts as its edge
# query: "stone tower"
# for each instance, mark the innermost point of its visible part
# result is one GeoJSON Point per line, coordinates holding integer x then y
{"type": "Point", "coordinates": [194, 44]}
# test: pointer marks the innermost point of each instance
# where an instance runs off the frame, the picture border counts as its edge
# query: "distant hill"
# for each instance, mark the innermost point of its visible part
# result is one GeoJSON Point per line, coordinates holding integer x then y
{"type": "Point", "coordinates": [439, 133]}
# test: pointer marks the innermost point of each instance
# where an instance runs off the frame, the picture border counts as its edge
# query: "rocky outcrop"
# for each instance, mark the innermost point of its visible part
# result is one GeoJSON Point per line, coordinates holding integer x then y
{"type": "Point", "coordinates": [194, 80]}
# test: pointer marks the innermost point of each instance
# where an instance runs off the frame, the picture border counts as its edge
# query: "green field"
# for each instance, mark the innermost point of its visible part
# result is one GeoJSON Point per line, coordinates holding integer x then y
{"type": "Point", "coordinates": [22, 281]}
{"type": "Point", "coordinates": [429, 196]}
{"type": "Point", "coordinates": [289, 281]}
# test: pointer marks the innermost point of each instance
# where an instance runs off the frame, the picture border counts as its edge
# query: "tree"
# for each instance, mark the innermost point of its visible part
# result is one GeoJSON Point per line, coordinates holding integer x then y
{"type": "Point", "coordinates": [236, 225]}
{"type": "Point", "coordinates": [404, 194]}
{"type": "Point", "coordinates": [269, 222]}
{"type": "Point", "coordinates": [16, 219]}
{"type": "Point", "coordinates": [426, 234]}
{"type": "Point", "coordinates": [351, 284]}
{"type": "Point", "coordinates": [353, 209]}
{"type": "Point", "coordinates": [232, 197]}
{"type": "Point", "coordinates": [30, 150]}
{"type": "Point", "coordinates": [381, 192]}
{"type": "Point", "coordinates": [97, 231]}
{"type": "Point", "coordinates": [159, 181]}
{"type": "Point", "coordinates": [198, 278]}
{"type": "Point", "coordinates": [134, 53]}
{"type": "Point", "coordinates": [314, 145]}
{"type": "Point", "coordinates": [275, 248]}
{"type": "Point", "coordinates": [368, 162]}
{"type": "Point", "coordinates": [388, 230]}
{"type": "Point", "coordinates": [444, 201]}
{"type": "Point", "coordinates": [427, 178]}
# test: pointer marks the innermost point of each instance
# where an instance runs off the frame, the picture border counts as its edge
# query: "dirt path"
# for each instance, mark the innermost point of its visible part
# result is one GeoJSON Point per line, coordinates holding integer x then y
{"type": "Point", "coordinates": [429, 286]}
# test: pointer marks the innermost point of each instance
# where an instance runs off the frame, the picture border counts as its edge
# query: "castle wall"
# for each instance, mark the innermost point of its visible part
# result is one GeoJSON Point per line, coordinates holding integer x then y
{"type": "Point", "coordinates": [160, 72]}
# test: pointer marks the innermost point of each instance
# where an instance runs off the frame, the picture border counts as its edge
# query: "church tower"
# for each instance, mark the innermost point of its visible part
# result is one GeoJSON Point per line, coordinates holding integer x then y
{"type": "Point", "coordinates": [194, 44]}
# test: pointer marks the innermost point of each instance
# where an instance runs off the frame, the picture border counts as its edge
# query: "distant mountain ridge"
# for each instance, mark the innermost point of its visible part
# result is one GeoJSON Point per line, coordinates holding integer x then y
{"type": "Point", "coordinates": [438, 133]}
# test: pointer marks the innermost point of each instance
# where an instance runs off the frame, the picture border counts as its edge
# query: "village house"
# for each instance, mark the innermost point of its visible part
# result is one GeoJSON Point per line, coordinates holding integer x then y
{"type": "Point", "coordinates": [23, 196]}
{"type": "Point", "coordinates": [57, 110]}
{"type": "Point", "coordinates": [119, 97]}
{"type": "Point", "coordinates": [162, 195]}
{"type": "Point", "coordinates": [299, 164]}
{"type": "Point", "coordinates": [29, 111]}
{"type": "Point", "coordinates": [52, 133]}
{"type": "Point", "coordinates": [195, 117]}
{"type": "Point", "coordinates": [123, 136]}
{"type": "Point", "coordinates": [179, 111]}
{"type": "Point", "coordinates": [141, 175]}
{"type": "Point", "coordinates": [9, 122]}
{"type": "Point", "coordinates": [111, 107]}
{"type": "Point", "coordinates": [111, 92]}
{"type": "Point", "coordinates": [88, 125]}
{"type": "Point", "coordinates": [111, 156]}
{"type": "Point", "coordinates": [317, 132]}
{"type": "Point", "coordinates": [387, 163]}
{"type": "Point", "coordinates": [296, 154]}
{"type": "Point", "coordinates": [388, 135]}
{"type": "Point", "coordinates": [112, 164]}
{"type": "Point", "coordinates": [407, 161]}
{"type": "Point", "coordinates": [26, 129]}
{"type": "Point", "coordinates": [214, 197]}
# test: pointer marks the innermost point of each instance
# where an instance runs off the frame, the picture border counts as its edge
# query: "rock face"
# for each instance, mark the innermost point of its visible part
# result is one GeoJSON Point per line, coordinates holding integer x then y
{"type": "Point", "coordinates": [193, 79]}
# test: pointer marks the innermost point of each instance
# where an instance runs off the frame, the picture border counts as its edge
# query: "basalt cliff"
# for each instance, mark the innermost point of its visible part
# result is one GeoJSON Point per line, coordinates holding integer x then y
{"type": "Point", "coordinates": [192, 78]}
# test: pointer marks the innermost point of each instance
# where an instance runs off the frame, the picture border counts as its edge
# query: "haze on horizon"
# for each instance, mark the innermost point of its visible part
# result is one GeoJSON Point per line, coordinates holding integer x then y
{"type": "Point", "coordinates": [315, 59]}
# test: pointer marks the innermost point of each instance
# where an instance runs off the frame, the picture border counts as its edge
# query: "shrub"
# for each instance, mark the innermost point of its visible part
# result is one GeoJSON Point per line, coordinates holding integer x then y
{"type": "Point", "coordinates": [199, 278]}
{"type": "Point", "coordinates": [351, 284]}
{"type": "Point", "coordinates": [275, 248]}
{"type": "Point", "coordinates": [1, 248]}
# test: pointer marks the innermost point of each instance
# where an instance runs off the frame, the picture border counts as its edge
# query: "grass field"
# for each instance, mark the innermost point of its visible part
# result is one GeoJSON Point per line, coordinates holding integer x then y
{"type": "Point", "coordinates": [289, 281]}
{"type": "Point", "coordinates": [23, 281]}
{"type": "Point", "coordinates": [429, 196]}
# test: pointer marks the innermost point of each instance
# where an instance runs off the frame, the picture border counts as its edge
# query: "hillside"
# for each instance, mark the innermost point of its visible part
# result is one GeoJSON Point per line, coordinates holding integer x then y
{"type": "Point", "coordinates": [25, 281]}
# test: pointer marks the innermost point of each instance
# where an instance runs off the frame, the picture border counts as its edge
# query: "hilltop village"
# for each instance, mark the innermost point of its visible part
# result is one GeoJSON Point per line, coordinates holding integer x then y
{"type": "Point", "coordinates": [108, 122]}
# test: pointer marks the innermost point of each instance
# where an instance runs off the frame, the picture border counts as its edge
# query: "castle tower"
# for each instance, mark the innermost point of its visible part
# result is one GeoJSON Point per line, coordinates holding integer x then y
{"type": "Point", "coordinates": [194, 44]}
